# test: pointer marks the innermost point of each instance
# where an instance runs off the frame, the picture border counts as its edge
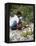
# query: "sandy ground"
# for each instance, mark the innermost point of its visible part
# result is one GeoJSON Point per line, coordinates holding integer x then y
{"type": "Point", "coordinates": [15, 34]}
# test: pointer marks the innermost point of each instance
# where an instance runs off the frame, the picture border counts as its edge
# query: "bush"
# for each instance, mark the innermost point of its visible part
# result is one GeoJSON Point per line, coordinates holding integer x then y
{"type": "Point", "coordinates": [29, 32]}
{"type": "Point", "coordinates": [24, 34]}
{"type": "Point", "coordinates": [27, 11]}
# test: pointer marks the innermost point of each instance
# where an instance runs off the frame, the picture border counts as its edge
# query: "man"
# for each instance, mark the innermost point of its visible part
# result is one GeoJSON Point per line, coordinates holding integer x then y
{"type": "Point", "coordinates": [15, 21]}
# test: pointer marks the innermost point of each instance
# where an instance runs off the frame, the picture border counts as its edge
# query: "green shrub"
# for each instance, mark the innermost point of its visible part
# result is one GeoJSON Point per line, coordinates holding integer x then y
{"type": "Point", "coordinates": [29, 32]}
{"type": "Point", "coordinates": [24, 34]}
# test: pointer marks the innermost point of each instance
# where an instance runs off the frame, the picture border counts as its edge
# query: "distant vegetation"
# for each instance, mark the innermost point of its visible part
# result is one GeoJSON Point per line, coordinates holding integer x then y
{"type": "Point", "coordinates": [27, 11]}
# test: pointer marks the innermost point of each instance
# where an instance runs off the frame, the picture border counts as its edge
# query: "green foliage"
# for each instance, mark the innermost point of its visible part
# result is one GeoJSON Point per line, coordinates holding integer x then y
{"type": "Point", "coordinates": [27, 11]}
{"type": "Point", "coordinates": [27, 33]}
{"type": "Point", "coordinates": [24, 34]}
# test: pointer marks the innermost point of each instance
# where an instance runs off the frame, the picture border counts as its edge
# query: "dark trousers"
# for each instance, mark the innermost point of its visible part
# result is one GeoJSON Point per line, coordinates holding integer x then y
{"type": "Point", "coordinates": [14, 26]}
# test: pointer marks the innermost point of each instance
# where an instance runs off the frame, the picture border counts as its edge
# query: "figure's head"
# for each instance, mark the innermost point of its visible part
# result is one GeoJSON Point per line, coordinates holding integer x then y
{"type": "Point", "coordinates": [18, 13]}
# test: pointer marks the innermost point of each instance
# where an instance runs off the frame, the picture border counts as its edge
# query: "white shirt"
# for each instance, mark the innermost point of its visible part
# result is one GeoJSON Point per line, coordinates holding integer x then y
{"type": "Point", "coordinates": [12, 19]}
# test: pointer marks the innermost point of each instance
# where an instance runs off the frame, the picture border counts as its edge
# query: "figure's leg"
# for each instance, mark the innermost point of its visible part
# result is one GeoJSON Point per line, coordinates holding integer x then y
{"type": "Point", "coordinates": [14, 26]}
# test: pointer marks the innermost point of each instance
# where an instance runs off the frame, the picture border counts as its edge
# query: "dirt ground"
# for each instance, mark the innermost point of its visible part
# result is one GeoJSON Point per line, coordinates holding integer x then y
{"type": "Point", "coordinates": [15, 35]}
